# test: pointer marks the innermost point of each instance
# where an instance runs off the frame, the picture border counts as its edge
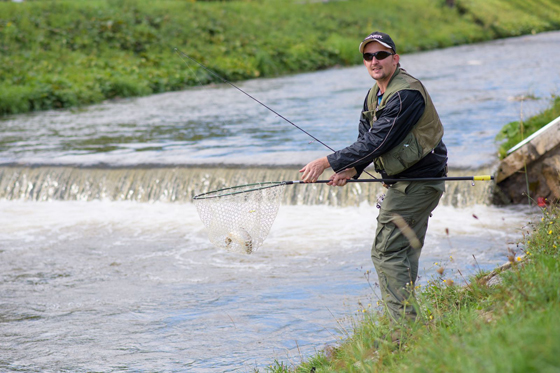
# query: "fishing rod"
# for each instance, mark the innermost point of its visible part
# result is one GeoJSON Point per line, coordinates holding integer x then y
{"type": "Point", "coordinates": [251, 97]}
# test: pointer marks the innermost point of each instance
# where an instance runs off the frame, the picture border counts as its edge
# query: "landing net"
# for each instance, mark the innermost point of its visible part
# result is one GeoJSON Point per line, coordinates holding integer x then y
{"type": "Point", "coordinates": [239, 218]}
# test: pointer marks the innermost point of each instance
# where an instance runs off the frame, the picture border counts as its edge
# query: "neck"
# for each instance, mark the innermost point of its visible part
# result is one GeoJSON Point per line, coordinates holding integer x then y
{"type": "Point", "coordinates": [383, 83]}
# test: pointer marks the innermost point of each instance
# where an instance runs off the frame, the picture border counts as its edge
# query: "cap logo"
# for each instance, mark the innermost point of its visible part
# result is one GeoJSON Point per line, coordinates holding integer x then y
{"type": "Point", "coordinates": [374, 36]}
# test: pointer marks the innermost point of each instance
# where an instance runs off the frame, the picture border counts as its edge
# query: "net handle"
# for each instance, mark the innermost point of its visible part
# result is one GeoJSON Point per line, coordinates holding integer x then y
{"type": "Point", "coordinates": [392, 181]}
{"type": "Point", "coordinates": [272, 184]}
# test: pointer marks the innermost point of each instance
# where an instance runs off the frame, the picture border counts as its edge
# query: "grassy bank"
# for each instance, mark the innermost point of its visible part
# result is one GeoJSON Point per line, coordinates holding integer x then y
{"type": "Point", "coordinates": [64, 53]}
{"type": "Point", "coordinates": [511, 326]}
{"type": "Point", "coordinates": [515, 132]}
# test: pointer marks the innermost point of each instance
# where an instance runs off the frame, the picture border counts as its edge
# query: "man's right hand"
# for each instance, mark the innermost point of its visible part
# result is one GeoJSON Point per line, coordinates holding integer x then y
{"type": "Point", "coordinates": [311, 172]}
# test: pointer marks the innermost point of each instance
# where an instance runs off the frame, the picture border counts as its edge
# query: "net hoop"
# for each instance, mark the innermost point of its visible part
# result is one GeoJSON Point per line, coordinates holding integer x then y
{"type": "Point", "coordinates": [239, 218]}
{"type": "Point", "coordinates": [246, 188]}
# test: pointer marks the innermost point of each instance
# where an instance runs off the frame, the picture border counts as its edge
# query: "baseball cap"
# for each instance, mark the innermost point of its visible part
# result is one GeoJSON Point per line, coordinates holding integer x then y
{"type": "Point", "coordinates": [380, 37]}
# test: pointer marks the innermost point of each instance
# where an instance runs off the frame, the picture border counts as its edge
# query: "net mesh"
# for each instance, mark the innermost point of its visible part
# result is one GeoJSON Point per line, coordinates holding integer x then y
{"type": "Point", "coordinates": [238, 219]}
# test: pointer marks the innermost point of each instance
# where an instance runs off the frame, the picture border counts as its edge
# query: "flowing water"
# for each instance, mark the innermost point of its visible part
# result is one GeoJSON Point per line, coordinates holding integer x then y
{"type": "Point", "coordinates": [105, 265]}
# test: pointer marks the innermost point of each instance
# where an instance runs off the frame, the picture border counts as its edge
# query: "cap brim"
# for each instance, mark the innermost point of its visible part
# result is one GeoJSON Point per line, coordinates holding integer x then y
{"type": "Point", "coordinates": [364, 43]}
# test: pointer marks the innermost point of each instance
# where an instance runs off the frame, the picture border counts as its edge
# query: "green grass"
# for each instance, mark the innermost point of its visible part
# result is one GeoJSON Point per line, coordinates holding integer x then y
{"type": "Point", "coordinates": [471, 327]}
{"type": "Point", "coordinates": [64, 53]}
{"type": "Point", "coordinates": [515, 132]}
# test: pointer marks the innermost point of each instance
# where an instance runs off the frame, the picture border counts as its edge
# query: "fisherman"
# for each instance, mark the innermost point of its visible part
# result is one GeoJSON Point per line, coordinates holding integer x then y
{"type": "Point", "coordinates": [401, 134]}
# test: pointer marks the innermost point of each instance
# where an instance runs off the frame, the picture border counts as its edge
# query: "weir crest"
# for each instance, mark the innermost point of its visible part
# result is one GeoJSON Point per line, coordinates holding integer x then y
{"type": "Point", "coordinates": [180, 184]}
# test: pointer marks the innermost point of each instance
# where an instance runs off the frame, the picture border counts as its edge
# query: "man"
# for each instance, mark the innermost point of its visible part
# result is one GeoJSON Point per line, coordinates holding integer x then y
{"type": "Point", "coordinates": [401, 134]}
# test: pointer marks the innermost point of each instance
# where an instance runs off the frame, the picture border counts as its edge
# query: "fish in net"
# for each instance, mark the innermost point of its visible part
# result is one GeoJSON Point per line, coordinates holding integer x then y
{"type": "Point", "coordinates": [239, 218]}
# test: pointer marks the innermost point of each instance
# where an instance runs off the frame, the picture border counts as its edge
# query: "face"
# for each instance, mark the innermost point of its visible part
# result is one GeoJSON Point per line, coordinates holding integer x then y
{"type": "Point", "coordinates": [383, 70]}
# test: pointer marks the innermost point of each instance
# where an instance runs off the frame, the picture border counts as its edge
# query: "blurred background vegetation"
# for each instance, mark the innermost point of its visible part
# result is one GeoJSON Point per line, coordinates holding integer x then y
{"type": "Point", "coordinates": [64, 53]}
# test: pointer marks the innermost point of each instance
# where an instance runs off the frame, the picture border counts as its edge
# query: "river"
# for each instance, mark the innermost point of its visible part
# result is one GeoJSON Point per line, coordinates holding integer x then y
{"type": "Point", "coordinates": [105, 265]}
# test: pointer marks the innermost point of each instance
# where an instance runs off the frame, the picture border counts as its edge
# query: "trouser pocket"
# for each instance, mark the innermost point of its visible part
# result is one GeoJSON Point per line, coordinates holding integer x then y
{"type": "Point", "coordinates": [391, 233]}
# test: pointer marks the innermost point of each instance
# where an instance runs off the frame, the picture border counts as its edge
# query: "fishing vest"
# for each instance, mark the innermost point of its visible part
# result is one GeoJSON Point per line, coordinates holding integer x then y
{"type": "Point", "coordinates": [424, 136]}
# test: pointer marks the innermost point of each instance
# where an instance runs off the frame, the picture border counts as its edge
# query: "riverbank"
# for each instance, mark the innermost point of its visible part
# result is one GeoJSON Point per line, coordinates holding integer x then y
{"type": "Point", "coordinates": [65, 53]}
{"type": "Point", "coordinates": [502, 322]}
{"type": "Point", "coordinates": [515, 132]}
{"type": "Point", "coordinates": [530, 172]}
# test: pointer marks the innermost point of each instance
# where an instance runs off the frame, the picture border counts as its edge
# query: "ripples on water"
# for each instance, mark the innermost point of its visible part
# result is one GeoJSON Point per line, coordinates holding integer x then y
{"type": "Point", "coordinates": [476, 89]}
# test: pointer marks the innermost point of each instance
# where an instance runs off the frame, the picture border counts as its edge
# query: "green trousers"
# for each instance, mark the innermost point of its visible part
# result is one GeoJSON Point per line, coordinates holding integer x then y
{"type": "Point", "coordinates": [401, 229]}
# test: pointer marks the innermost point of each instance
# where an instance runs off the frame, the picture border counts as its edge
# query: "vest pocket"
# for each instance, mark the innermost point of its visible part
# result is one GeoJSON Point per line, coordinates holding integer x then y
{"type": "Point", "coordinates": [411, 151]}
{"type": "Point", "coordinates": [402, 156]}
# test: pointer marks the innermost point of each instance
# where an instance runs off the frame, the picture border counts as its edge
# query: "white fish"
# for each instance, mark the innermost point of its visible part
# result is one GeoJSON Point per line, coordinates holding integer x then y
{"type": "Point", "coordinates": [240, 237]}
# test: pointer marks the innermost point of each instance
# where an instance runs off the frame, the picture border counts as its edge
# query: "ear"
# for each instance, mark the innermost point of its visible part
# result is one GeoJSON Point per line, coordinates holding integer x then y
{"type": "Point", "coordinates": [396, 59]}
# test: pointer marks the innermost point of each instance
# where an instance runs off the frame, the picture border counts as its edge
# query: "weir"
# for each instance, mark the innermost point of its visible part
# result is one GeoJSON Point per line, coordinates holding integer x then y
{"type": "Point", "coordinates": [180, 184]}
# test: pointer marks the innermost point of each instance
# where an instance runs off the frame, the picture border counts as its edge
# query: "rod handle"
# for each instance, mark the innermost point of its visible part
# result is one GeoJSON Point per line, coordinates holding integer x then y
{"type": "Point", "coordinates": [483, 177]}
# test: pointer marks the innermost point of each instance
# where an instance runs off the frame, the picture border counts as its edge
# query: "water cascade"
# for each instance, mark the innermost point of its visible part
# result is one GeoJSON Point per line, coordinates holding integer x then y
{"type": "Point", "coordinates": [180, 184]}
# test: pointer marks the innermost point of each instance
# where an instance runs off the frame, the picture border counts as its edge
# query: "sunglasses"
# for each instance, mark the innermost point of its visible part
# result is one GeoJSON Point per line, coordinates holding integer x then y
{"type": "Point", "coordinates": [381, 55]}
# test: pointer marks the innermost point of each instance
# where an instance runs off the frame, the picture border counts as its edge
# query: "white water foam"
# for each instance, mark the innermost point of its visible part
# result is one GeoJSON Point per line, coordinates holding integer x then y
{"type": "Point", "coordinates": [99, 285]}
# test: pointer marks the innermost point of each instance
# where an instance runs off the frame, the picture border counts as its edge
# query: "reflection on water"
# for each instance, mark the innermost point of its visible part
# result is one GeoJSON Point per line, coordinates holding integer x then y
{"type": "Point", "coordinates": [476, 88]}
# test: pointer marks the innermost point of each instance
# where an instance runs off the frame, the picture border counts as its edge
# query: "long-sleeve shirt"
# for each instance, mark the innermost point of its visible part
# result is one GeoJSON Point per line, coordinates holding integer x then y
{"type": "Point", "coordinates": [401, 112]}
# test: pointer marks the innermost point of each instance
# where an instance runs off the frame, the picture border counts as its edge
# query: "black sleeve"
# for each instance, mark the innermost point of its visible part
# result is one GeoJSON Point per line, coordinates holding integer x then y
{"type": "Point", "coordinates": [395, 121]}
{"type": "Point", "coordinates": [363, 127]}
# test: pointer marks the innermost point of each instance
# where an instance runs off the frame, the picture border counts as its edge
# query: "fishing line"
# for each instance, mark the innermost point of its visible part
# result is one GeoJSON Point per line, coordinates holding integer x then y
{"type": "Point", "coordinates": [251, 97]}
{"type": "Point", "coordinates": [194, 73]}
{"type": "Point", "coordinates": [182, 54]}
